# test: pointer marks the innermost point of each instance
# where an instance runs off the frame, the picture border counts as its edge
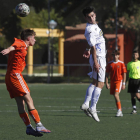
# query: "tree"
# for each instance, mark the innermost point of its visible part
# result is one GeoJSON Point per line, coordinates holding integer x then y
{"type": "Point", "coordinates": [128, 18]}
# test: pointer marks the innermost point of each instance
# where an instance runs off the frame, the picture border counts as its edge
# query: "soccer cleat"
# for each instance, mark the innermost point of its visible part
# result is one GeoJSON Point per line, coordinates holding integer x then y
{"type": "Point", "coordinates": [84, 108]}
{"type": "Point", "coordinates": [134, 111]}
{"type": "Point", "coordinates": [42, 129]}
{"type": "Point", "coordinates": [119, 113]}
{"type": "Point", "coordinates": [93, 114]}
{"type": "Point", "coordinates": [31, 131]}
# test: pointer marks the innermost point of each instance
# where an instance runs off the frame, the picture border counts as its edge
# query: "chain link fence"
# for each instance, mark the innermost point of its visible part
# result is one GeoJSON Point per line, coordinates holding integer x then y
{"type": "Point", "coordinates": [73, 73]}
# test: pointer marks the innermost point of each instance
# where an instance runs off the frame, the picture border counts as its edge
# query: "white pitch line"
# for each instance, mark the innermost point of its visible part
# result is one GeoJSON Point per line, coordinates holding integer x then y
{"type": "Point", "coordinates": [78, 107]}
{"type": "Point", "coordinates": [77, 110]}
{"type": "Point", "coordinates": [49, 98]}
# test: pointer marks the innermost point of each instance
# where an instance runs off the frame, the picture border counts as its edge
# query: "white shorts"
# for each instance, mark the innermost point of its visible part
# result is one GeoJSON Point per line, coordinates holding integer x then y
{"type": "Point", "coordinates": [101, 75]}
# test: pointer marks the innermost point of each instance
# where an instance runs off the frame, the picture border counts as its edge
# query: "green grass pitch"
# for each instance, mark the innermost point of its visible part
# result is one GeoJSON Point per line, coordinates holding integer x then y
{"type": "Point", "coordinates": [58, 106]}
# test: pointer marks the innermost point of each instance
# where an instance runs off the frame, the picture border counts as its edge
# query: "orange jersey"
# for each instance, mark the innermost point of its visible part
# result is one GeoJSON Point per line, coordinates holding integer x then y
{"type": "Point", "coordinates": [116, 70]}
{"type": "Point", "coordinates": [16, 59]}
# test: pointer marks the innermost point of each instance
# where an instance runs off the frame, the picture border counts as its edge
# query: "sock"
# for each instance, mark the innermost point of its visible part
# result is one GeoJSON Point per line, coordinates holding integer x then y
{"type": "Point", "coordinates": [133, 101]}
{"type": "Point", "coordinates": [95, 97]}
{"type": "Point", "coordinates": [118, 104]}
{"type": "Point", "coordinates": [34, 114]}
{"type": "Point", "coordinates": [25, 118]}
{"type": "Point", "coordinates": [89, 92]}
{"type": "Point", "coordinates": [134, 107]}
{"type": "Point", "coordinates": [39, 124]}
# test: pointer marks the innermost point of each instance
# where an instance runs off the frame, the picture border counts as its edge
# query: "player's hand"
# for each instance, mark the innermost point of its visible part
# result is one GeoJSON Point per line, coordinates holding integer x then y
{"type": "Point", "coordinates": [123, 87]}
{"type": "Point", "coordinates": [86, 54]}
{"type": "Point", "coordinates": [5, 51]}
{"type": "Point", "coordinates": [96, 67]}
{"type": "Point", "coordinates": [107, 86]}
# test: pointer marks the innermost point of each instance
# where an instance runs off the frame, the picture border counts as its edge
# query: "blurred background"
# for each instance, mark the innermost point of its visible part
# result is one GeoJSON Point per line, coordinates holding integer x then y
{"type": "Point", "coordinates": [59, 24]}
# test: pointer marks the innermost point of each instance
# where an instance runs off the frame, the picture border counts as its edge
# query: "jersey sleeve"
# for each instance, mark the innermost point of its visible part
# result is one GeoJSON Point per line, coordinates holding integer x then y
{"type": "Point", "coordinates": [16, 45]}
{"type": "Point", "coordinates": [124, 68]}
{"type": "Point", "coordinates": [90, 37]}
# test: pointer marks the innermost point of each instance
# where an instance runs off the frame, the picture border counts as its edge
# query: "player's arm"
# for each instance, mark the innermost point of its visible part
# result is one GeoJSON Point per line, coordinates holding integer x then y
{"type": "Point", "coordinates": [106, 81]}
{"type": "Point", "coordinates": [128, 70]}
{"type": "Point", "coordinates": [96, 64]}
{"type": "Point", "coordinates": [86, 53]}
{"type": "Point", "coordinates": [127, 75]}
{"type": "Point", "coordinates": [124, 80]}
{"type": "Point", "coordinates": [8, 50]}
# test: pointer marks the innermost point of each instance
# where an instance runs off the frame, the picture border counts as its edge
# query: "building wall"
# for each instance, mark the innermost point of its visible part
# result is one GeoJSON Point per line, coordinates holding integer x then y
{"type": "Point", "coordinates": [111, 45]}
{"type": "Point", "coordinates": [73, 54]}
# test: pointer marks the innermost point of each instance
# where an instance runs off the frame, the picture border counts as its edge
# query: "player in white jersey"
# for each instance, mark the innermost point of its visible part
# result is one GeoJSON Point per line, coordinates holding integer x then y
{"type": "Point", "coordinates": [97, 59]}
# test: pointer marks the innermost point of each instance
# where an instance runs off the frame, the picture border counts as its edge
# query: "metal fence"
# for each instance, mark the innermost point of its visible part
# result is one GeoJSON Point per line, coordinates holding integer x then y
{"type": "Point", "coordinates": [73, 73]}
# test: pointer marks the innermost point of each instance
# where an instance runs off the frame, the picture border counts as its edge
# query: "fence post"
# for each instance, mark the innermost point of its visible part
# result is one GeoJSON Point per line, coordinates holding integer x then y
{"type": "Point", "coordinates": [68, 74]}
{"type": "Point", "coordinates": [61, 55]}
{"type": "Point", "coordinates": [30, 60]}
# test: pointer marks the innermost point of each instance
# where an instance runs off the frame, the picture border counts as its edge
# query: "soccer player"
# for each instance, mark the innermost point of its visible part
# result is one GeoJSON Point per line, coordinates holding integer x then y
{"type": "Point", "coordinates": [16, 84]}
{"type": "Point", "coordinates": [133, 68]}
{"type": "Point", "coordinates": [117, 71]}
{"type": "Point", "coordinates": [97, 60]}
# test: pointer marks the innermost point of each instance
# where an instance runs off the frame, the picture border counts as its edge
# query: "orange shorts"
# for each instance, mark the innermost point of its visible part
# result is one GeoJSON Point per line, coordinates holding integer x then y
{"type": "Point", "coordinates": [16, 85]}
{"type": "Point", "coordinates": [115, 86]}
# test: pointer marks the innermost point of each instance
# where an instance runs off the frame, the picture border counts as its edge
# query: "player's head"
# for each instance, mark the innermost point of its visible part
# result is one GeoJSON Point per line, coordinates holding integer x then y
{"type": "Point", "coordinates": [116, 54]}
{"type": "Point", "coordinates": [89, 13]}
{"type": "Point", "coordinates": [28, 36]}
{"type": "Point", "coordinates": [135, 55]}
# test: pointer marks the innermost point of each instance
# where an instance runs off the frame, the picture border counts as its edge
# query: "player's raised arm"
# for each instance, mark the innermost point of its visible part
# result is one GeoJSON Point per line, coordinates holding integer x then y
{"type": "Point", "coordinates": [8, 50]}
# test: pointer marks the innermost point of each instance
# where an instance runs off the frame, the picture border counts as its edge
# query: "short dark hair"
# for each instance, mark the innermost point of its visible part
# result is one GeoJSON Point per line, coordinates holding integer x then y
{"type": "Point", "coordinates": [26, 33]}
{"type": "Point", "coordinates": [88, 10]}
{"type": "Point", "coordinates": [116, 52]}
{"type": "Point", "coordinates": [135, 51]}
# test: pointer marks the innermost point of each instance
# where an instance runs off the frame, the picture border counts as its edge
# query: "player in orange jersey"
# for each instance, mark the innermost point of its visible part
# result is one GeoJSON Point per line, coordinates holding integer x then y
{"type": "Point", "coordinates": [16, 84]}
{"type": "Point", "coordinates": [117, 71]}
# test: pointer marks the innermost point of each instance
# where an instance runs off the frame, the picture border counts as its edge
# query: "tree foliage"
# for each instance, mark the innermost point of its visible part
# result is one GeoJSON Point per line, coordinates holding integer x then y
{"type": "Point", "coordinates": [68, 12]}
{"type": "Point", "coordinates": [128, 18]}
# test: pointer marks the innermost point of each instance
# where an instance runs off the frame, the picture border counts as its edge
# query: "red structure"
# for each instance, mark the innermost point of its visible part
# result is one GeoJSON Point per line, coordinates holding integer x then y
{"type": "Point", "coordinates": [75, 44]}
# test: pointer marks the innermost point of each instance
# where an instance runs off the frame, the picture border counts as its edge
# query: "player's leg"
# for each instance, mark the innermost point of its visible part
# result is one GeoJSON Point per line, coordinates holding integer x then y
{"type": "Point", "coordinates": [133, 102]}
{"type": "Point", "coordinates": [94, 100]}
{"type": "Point", "coordinates": [138, 96]}
{"type": "Point", "coordinates": [99, 79]}
{"type": "Point", "coordinates": [133, 89]}
{"type": "Point", "coordinates": [24, 116]}
{"type": "Point", "coordinates": [138, 90]}
{"type": "Point", "coordinates": [34, 114]}
{"type": "Point", "coordinates": [96, 95]}
{"type": "Point", "coordinates": [118, 85]}
{"type": "Point", "coordinates": [118, 104]}
{"type": "Point", "coordinates": [89, 91]}
{"type": "Point", "coordinates": [117, 100]}
{"type": "Point", "coordinates": [88, 96]}
{"type": "Point", "coordinates": [91, 87]}
{"type": "Point", "coordinates": [22, 90]}
{"type": "Point", "coordinates": [21, 109]}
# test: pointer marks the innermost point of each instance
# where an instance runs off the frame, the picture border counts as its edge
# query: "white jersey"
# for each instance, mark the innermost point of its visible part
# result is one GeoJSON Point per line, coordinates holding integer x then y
{"type": "Point", "coordinates": [94, 37]}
